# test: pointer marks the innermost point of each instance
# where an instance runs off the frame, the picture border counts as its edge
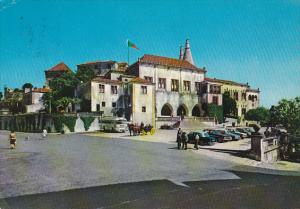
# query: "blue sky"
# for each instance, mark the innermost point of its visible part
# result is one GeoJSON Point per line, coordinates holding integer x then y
{"type": "Point", "coordinates": [246, 41]}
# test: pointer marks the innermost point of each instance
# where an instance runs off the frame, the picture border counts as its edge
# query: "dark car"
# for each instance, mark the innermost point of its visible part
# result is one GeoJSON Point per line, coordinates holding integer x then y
{"type": "Point", "coordinates": [204, 138]}
{"type": "Point", "coordinates": [243, 130]}
{"type": "Point", "coordinates": [221, 136]}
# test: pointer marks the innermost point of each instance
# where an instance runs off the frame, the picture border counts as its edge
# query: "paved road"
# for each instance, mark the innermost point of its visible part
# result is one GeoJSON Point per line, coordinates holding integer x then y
{"type": "Point", "coordinates": [252, 191]}
{"type": "Point", "coordinates": [67, 162]}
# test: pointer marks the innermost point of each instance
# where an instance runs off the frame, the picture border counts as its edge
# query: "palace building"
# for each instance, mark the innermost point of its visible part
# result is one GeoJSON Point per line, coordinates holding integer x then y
{"type": "Point", "coordinates": [156, 87]}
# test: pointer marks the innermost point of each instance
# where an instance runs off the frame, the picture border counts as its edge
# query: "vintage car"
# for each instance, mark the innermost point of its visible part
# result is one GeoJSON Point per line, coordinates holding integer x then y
{"type": "Point", "coordinates": [234, 131]}
{"type": "Point", "coordinates": [233, 135]}
{"type": "Point", "coordinates": [221, 136]}
{"type": "Point", "coordinates": [204, 138]}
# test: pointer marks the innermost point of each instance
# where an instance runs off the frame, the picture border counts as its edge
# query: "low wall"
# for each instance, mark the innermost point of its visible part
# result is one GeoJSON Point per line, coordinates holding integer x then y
{"type": "Point", "coordinates": [265, 149]}
{"type": "Point", "coordinates": [38, 121]}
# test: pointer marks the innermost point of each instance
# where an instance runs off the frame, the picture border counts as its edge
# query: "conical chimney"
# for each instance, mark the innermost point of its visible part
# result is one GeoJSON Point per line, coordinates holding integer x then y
{"type": "Point", "coordinates": [181, 53]}
{"type": "Point", "coordinates": [187, 52]}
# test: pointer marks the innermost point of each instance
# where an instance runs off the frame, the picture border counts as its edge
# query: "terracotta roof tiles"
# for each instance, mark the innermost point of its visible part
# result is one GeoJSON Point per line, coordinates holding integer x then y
{"type": "Point", "coordinates": [225, 82]}
{"type": "Point", "coordinates": [170, 62]}
{"type": "Point", "coordinates": [60, 67]}
{"type": "Point", "coordinates": [108, 81]}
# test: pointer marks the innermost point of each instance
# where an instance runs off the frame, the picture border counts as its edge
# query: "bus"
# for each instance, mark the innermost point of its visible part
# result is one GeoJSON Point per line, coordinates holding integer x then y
{"type": "Point", "coordinates": [113, 124]}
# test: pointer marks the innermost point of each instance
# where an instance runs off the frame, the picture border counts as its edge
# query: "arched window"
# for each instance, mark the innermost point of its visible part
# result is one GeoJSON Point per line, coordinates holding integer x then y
{"type": "Point", "coordinates": [182, 110]}
{"type": "Point", "coordinates": [166, 110]}
{"type": "Point", "coordinates": [196, 111]}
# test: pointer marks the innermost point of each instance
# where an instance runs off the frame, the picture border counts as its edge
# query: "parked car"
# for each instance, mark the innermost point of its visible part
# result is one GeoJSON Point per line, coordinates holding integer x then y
{"type": "Point", "coordinates": [243, 130]}
{"type": "Point", "coordinates": [204, 138]}
{"type": "Point", "coordinates": [234, 131]}
{"type": "Point", "coordinates": [233, 135]}
{"type": "Point", "coordinates": [221, 136]}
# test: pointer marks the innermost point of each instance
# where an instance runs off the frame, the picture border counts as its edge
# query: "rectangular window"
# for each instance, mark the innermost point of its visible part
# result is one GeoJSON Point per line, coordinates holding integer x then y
{"type": "Point", "coordinates": [215, 100]}
{"type": "Point", "coordinates": [98, 107]}
{"type": "Point", "coordinates": [144, 89]}
{"type": "Point", "coordinates": [143, 109]}
{"type": "Point", "coordinates": [198, 87]}
{"type": "Point", "coordinates": [243, 111]}
{"type": "Point", "coordinates": [174, 85]}
{"type": "Point", "coordinates": [114, 104]}
{"type": "Point", "coordinates": [186, 85]}
{"type": "Point", "coordinates": [148, 78]}
{"type": "Point", "coordinates": [214, 89]}
{"type": "Point", "coordinates": [101, 88]}
{"type": "Point", "coordinates": [161, 83]}
{"type": "Point", "coordinates": [236, 96]}
{"type": "Point", "coordinates": [244, 96]}
{"type": "Point", "coordinates": [103, 104]}
{"type": "Point", "coordinates": [114, 90]}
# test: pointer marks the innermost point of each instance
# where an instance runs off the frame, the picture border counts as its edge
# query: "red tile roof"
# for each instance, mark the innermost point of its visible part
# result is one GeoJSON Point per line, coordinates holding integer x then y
{"type": "Point", "coordinates": [61, 67]}
{"type": "Point", "coordinates": [225, 82]}
{"type": "Point", "coordinates": [170, 62]}
{"type": "Point", "coordinates": [140, 80]}
{"type": "Point", "coordinates": [108, 81]}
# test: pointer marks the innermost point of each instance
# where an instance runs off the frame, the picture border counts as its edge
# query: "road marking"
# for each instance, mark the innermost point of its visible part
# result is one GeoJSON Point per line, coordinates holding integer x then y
{"type": "Point", "coordinates": [178, 183]}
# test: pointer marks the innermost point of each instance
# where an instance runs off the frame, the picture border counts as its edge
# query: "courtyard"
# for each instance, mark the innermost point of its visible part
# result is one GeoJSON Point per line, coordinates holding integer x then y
{"type": "Point", "coordinates": [101, 162]}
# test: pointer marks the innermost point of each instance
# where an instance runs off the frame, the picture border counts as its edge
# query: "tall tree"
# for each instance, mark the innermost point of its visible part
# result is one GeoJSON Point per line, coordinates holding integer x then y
{"type": "Point", "coordinates": [84, 75]}
{"type": "Point", "coordinates": [260, 114]}
{"type": "Point", "coordinates": [229, 106]}
{"type": "Point", "coordinates": [62, 92]}
{"type": "Point", "coordinates": [287, 113]}
{"type": "Point", "coordinates": [27, 85]}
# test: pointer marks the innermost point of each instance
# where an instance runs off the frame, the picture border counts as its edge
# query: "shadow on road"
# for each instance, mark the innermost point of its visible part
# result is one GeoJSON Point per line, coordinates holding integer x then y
{"type": "Point", "coordinates": [253, 190]}
{"type": "Point", "coordinates": [237, 153]}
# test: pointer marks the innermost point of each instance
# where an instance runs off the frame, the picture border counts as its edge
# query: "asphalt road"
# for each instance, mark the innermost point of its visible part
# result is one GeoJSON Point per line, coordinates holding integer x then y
{"type": "Point", "coordinates": [78, 171]}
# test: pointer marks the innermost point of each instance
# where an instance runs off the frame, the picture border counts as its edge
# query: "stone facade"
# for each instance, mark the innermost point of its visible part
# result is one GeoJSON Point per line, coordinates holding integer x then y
{"type": "Point", "coordinates": [245, 97]}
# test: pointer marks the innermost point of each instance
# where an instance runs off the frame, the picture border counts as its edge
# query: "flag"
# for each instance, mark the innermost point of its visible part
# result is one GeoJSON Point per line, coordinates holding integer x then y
{"type": "Point", "coordinates": [132, 45]}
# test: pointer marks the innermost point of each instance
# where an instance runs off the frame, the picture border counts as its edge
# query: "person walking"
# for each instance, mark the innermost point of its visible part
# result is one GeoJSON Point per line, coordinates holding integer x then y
{"type": "Point", "coordinates": [179, 138]}
{"type": "Point", "coordinates": [45, 133]}
{"type": "Point", "coordinates": [184, 141]}
{"type": "Point", "coordinates": [197, 138]}
{"type": "Point", "coordinates": [12, 139]}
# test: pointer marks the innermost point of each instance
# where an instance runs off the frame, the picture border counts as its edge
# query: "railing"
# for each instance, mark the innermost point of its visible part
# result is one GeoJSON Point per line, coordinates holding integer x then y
{"type": "Point", "coordinates": [168, 118]}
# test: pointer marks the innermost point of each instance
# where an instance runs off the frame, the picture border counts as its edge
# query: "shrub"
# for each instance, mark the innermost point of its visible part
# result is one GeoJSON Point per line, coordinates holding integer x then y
{"type": "Point", "coordinates": [87, 121]}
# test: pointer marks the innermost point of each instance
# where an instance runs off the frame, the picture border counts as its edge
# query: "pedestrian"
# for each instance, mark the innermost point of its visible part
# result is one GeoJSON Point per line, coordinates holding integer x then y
{"type": "Point", "coordinates": [179, 138]}
{"type": "Point", "coordinates": [12, 139]}
{"type": "Point", "coordinates": [45, 133]}
{"type": "Point", "coordinates": [129, 128]}
{"type": "Point", "coordinates": [196, 141]}
{"type": "Point", "coordinates": [184, 141]}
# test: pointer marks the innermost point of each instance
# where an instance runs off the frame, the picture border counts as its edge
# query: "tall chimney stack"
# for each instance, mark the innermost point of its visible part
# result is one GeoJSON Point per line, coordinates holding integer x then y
{"type": "Point", "coordinates": [187, 52]}
{"type": "Point", "coordinates": [181, 53]}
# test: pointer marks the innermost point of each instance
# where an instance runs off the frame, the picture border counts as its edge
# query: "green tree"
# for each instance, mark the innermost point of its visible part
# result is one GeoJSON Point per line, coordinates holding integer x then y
{"type": "Point", "coordinates": [215, 111]}
{"type": "Point", "coordinates": [27, 85]}
{"type": "Point", "coordinates": [64, 85]}
{"type": "Point", "coordinates": [62, 93]}
{"type": "Point", "coordinates": [287, 113]}
{"type": "Point", "coordinates": [1, 95]}
{"type": "Point", "coordinates": [229, 106]}
{"type": "Point", "coordinates": [15, 101]}
{"type": "Point", "coordinates": [260, 114]}
{"type": "Point", "coordinates": [85, 75]}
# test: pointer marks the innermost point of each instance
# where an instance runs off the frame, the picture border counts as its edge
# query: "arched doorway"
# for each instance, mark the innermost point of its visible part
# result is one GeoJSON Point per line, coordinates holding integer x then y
{"type": "Point", "coordinates": [182, 110]}
{"type": "Point", "coordinates": [196, 111]}
{"type": "Point", "coordinates": [166, 110]}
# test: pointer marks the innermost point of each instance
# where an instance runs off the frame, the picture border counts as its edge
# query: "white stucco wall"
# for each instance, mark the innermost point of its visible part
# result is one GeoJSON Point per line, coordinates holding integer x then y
{"type": "Point", "coordinates": [107, 97]}
{"type": "Point", "coordinates": [175, 99]}
{"type": "Point", "coordinates": [139, 100]}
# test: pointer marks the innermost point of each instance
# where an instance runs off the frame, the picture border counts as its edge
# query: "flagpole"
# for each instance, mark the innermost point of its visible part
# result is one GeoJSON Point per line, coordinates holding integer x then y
{"type": "Point", "coordinates": [128, 54]}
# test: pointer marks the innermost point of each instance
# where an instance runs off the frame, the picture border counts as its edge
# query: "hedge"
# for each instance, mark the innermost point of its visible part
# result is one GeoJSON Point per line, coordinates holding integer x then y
{"type": "Point", "coordinates": [87, 121]}
{"type": "Point", "coordinates": [69, 121]}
